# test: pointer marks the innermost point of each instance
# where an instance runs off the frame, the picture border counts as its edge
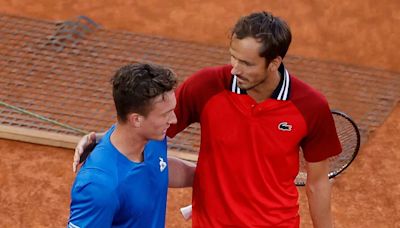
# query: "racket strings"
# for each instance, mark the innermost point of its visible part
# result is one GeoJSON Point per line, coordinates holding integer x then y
{"type": "Point", "coordinates": [349, 138]}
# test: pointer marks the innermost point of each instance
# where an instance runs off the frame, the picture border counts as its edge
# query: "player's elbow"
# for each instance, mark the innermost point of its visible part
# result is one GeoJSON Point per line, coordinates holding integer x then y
{"type": "Point", "coordinates": [318, 186]}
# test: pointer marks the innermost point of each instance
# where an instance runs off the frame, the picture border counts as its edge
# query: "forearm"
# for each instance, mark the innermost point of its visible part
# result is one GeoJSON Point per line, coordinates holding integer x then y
{"type": "Point", "coordinates": [319, 200]}
{"type": "Point", "coordinates": [181, 173]}
{"type": "Point", "coordinates": [318, 189]}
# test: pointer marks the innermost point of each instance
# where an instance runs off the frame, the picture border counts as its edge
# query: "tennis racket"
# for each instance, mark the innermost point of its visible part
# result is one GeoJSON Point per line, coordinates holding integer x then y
{"type": "Point", "coordinates": [349, 137]}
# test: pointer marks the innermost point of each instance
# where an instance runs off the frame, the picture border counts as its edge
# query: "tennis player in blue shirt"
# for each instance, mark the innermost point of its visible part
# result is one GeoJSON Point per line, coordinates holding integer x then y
{"type": "Point", "coordinates": [124, 181]}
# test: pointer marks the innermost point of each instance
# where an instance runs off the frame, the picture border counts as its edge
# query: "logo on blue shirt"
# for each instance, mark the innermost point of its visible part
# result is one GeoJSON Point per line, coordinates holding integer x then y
{"type": "Point", "coordinates": [163, 164]}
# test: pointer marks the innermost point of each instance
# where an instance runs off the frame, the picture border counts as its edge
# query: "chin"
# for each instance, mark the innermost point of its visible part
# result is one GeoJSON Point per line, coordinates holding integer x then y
{"type": "Point", "coordinates": [244, 87]}
{"type": "Point", "coordinates": [159, 138]}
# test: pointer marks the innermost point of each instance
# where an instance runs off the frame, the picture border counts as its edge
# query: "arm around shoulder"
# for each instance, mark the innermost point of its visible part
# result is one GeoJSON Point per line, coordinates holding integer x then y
{"type": "Point", "coordinates": [181, 173]}
{"type": "Point", "coordinates": [85, 143]}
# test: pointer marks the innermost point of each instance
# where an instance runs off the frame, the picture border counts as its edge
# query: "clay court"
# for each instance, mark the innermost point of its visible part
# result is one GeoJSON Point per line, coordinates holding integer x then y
{"type": "Point", "coordinates": [358, 37]}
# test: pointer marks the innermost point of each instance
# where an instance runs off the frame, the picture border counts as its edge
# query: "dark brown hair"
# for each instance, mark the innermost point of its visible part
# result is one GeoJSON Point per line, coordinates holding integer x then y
{"type": "Point", "coordinates": [272, 32]}
{"type": "Point", "coordinates": [136, 85]}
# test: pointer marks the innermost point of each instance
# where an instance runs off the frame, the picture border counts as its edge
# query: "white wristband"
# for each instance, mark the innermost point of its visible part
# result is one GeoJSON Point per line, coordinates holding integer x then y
{"type": "Point", "coordinates": [187, 212]}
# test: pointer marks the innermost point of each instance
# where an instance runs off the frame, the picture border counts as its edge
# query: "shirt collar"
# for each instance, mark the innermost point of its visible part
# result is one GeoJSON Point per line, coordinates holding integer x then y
{"type": "Point", "coordinates": [281, 92]}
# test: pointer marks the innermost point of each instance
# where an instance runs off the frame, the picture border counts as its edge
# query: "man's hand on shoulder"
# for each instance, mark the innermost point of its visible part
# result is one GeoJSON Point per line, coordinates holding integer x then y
{"type": "Point", "coordinates": [86, 144]}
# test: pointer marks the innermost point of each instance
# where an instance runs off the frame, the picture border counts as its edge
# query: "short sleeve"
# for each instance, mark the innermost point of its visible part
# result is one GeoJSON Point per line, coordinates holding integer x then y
{"type": "Point", "coordinates": [93, 202]}
{"type": "Point", "coordinates": [321, 141]}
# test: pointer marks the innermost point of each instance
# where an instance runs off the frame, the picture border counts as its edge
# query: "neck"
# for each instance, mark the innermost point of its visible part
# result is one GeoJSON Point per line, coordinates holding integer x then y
{"type": "Point", "coordinates": [264, 90]}
{"type": "Point", "coordinates": [128, 142]}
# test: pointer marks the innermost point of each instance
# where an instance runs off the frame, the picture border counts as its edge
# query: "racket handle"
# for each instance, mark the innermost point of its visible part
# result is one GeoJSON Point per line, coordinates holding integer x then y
{"type": "Point", "coordinates": [187, 212]}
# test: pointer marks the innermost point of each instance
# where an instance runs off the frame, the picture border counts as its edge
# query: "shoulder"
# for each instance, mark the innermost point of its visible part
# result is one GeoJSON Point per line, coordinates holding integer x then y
{"type": "Point", "coordinates": [94, 182]}
{"type": "Point", "coordinates": [94, 188]}
{"type": "Point", "coordinates": [307, 99]}
{"type": "Point", "coordinates": [94, 200]}
{"type": "Point", "coordinates": [321, 140]}
{"type": "Point", "coordinates": [202, 85]}
{"type": "Point", "coordinates": [155, 148]}
{"type": "Point", "coordinates": [103, 158]}
{"type": "Point", "coordinates": [303, 92]}
{"type": "Point", "coordinates": [218, 75]}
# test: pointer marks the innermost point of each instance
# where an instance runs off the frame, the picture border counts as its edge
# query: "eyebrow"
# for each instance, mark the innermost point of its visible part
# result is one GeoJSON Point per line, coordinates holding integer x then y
{"type": "Point", "coordinates": [247, 63]}
{"type": "Point", "coordinates": [169, 111]}
{"type": "Point", "coordinates": [240, 60]}
{"type": "Point", "coordinates": [243, 61]}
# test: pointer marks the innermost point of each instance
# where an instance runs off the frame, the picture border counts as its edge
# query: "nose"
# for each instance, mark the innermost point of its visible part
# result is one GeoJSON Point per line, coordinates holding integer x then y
{"type": "Point", "coordinates": [235, 66]}
{"type": "Point", "coordinates": [173, 119]}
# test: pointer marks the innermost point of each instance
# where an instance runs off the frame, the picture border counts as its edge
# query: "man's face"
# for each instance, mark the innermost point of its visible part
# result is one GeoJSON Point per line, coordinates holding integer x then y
{"type": "Point", "coordinates": [248, 66]}
{"type": "Point", "coordinates": [154, 126]}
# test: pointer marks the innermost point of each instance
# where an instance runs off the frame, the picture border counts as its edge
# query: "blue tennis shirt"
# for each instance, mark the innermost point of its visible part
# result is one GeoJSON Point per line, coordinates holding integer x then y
{"type": "Point", "coordinates": [112, 191]}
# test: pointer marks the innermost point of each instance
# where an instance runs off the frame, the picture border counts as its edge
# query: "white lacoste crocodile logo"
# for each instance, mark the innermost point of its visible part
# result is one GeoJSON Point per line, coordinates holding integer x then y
{"type": "Point", "coordinates": [284, 126]}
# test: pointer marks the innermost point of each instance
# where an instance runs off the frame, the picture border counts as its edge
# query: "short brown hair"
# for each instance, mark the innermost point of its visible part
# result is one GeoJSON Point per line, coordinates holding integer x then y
{"type": "Point", "coordinates": [135, 86]}
{"type": "Point", "coordinates": [272, 32]}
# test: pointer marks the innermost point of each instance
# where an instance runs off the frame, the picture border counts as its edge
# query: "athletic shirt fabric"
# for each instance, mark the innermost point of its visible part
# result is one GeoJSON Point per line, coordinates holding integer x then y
{"type": "Point", "coordinates": [249, 152]}
{"type": "Point", "coordinates": [112, 191]}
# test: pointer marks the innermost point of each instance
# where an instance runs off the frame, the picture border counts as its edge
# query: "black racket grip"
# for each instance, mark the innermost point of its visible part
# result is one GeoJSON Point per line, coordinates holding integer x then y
{"type": "Point", "coordinates": [87, 151]}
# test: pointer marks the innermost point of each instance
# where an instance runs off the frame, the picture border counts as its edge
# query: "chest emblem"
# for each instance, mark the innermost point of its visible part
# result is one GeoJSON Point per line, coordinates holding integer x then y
{"type": "Point", "coordinates": [163, 164]}
{"type": "Point", "coordinates": [284, 126]}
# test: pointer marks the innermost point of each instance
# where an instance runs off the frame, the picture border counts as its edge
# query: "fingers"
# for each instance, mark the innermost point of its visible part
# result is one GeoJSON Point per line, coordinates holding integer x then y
{"type": "Point", "coordinates": [92, 137]}
{"type": "Point", "coordinates": [80, 147]}
{"type": "Point", "coordinates": [78, 152]}
{"type": "Point", "coordinates": [83, 143]}
{"type": "Point", "coordinates": [76, 161]}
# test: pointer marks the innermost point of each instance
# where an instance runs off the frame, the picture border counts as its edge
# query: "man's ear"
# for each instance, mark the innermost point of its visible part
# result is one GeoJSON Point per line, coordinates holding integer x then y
{"type": "Point", "coordinates": [274, 64]}
{"type": "Point", "coordinates": [135, 119]}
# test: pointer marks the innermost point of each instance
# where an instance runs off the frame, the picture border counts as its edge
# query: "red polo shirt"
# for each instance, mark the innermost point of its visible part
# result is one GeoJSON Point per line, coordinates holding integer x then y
{"type": "Point", "coordinates": [249, 152]}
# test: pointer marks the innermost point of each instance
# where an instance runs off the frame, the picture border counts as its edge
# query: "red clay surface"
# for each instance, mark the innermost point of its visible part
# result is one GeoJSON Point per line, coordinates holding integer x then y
{"type": "Point", "coordinates": [35, 180]}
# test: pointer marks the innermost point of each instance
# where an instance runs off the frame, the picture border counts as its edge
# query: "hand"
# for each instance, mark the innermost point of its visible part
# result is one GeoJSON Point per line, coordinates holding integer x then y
{"type": "Point", "coordinates": [86, 142]}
